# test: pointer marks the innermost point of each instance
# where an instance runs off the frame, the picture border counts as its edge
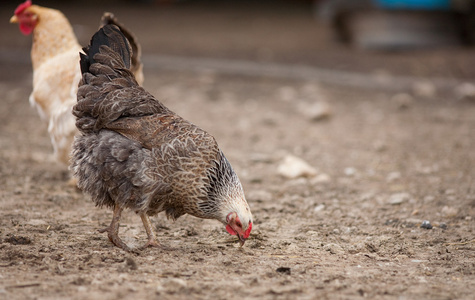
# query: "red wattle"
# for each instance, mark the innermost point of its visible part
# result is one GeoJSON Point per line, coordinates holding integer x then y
{"type": "Point", "coordinates": [26, 28]}
{"type": "Point", "coordinates": [230, 230]}
{"type": "Point", "coordinates": [248, 231]}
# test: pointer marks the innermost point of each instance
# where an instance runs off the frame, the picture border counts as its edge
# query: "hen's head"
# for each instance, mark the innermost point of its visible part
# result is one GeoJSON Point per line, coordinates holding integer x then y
{"type": "Point", "coordinates": [235, 211]}
{"type": "Point", "coordinates": [226, 201]}
{"type": "Point", "coordinates": [26, 17]}
{"type": "Point", "coordinates": [239, 226]}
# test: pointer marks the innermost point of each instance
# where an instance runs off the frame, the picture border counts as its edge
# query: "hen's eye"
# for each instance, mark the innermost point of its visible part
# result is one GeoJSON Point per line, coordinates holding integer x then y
{"type": "Point", "coordinates": [239, 224]}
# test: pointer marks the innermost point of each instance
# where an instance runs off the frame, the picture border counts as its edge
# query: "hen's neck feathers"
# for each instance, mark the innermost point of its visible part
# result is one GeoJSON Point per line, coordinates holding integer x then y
{"type": "Point", "coordinates": [52, 35]}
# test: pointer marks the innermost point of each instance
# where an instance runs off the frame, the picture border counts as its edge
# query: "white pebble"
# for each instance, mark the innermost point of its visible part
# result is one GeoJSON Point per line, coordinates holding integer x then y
{"type": "Point", "coordinates": [349, 171]}
{"type": "Point", "coordinates": [320, 178]}
{"type": "Point", "coordinates": [465, 91]}
{"type": "Point", "coordinates": [393, 176]}
{"type": "Point", "coordinates": [317, 111]}
{"type": "Point", "coordinates": [294, 167]}
{"type": "Point", "coordinates": [448, 211]}
{"type": "Point", "coordinates": [424, 89]}
{"type": "Point", "coordinates": [333, 248]}
{"type": "Point", "coordinates": [319, 208]}
{"type": "Point", "coordinates": [399, 198]}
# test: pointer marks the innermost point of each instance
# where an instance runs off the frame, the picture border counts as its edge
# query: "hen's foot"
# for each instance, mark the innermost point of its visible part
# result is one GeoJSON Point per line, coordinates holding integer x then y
{"type": "Point", "coordinates": [115, 239]}
{"type": "Point", "coordinates": [113, 231]}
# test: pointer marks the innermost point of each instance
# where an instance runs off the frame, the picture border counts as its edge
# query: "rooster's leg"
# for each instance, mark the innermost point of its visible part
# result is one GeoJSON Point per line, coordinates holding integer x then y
{"type": "Point", "coordinates": [113, 230]}
{"type": "Point", "coordinates": [152, 238]}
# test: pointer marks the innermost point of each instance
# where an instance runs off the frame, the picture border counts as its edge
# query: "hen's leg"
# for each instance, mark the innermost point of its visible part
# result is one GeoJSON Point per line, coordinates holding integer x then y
{"type": "Point", "coordinates": [152, 238]}
{"type": "Point", "coordinates": [113, 230]}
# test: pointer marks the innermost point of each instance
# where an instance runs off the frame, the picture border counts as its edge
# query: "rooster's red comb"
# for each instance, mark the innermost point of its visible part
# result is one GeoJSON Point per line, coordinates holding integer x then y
{"type": "Point", "coordinates": [22, 7]}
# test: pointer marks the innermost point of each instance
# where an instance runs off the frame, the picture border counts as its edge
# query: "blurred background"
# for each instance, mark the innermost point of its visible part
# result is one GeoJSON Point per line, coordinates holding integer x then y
{"type": "Point", "coordinates": [350, 124]}
{"type": "Point", "coordinates": [294, 38]}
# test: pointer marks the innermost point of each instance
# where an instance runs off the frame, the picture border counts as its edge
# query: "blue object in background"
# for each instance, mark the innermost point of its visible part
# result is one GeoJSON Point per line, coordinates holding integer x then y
{"type": "Point", "coordinates": [414, 4]}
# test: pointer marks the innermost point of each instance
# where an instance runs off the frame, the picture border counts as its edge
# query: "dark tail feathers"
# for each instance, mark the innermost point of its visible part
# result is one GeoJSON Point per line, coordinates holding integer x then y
{"type": "Point", "coordinates": [109, 18]}
{"type": "Point", "coordinates": [111, 36]}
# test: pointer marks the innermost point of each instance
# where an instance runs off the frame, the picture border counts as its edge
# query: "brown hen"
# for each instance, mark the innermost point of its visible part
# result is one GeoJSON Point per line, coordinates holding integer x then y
{"type": "Point", "coordinates": [133, 152]}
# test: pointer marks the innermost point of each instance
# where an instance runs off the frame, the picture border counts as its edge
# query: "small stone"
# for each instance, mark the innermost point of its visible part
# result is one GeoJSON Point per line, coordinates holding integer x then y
{"type": "Point", "coordinates": [18, 240]}
{"type": "Point", "coordinates": [380, 146]}
{"type": "Point", "coordinates": [255, 179]}
{"type": "Point", "coordinates": [450, 192]}
{"type": "Point", "coordinates": [349, 171]}
{"type": "Point", "coordinates": [292, 248]}
{"type": "Point", "coordinates": [294, 167]}
{"type": "Point", "coordinates": [287, 93]}
{"type": "Point", "coordinates": [312, 233]}
{"type": "Point", "coordinates": [402, 100]}
{"type": "Point", "coordinates": [333, 248]}
{"type": "Point", "coordinates": [160, 289]}
{"type": "Point", "coordinates": [465, 91]}
{"type": "Point", "coordinates": [393, 176]}
{"type": "Point", "coordinates": [297, 182]}
{"type": "Point", "coordinates": [428, 199]}
{"type": "Point", "coordinates": [412, 222]}
{"type": "Point", "coordinates": [284, 270]}
{"type": "Point", "coordinates": [319, 208]}
{"type": "Point", "coordinates": [443, 226]}
{"type": "Point", "coordinates": [254, 281]}
{"type": "Point", "coordinates": [320, 178]}
{"type": "Point", "coordinates": [448, 211]}
{"type": "Point", "coordinates": [424, 89]}
{"type": "Point", "coordinates": [317, 111]}
{"type": "Point", "coordinates": [130, 263]}
{"type": "Point", "coordinates": [426, 224]}
{"type": "Point", "coordinates": [398, 198]}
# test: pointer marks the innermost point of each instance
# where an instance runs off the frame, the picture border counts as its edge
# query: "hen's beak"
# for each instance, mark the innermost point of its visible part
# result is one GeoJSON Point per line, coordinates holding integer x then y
{"type": "Point", "coordinates": [14, 19]}
{"type": "Point", "coordinates": [242, 240]}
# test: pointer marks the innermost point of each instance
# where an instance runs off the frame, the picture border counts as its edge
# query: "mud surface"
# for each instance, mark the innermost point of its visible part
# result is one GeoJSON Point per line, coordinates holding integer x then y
{"type": "Point", "coordinates": [383, 163]}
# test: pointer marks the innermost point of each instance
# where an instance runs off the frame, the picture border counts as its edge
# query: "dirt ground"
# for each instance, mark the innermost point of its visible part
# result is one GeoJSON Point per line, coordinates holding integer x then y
{"type": "Point", "coordinates": [384, 162]}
